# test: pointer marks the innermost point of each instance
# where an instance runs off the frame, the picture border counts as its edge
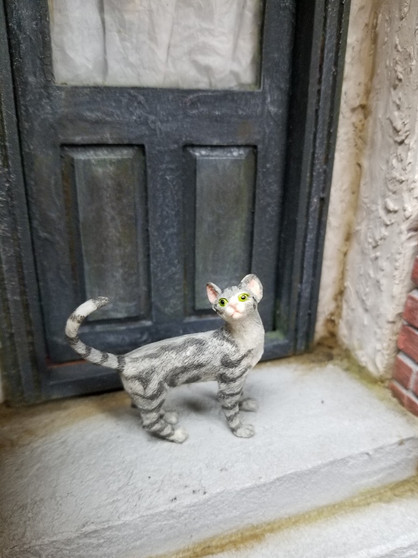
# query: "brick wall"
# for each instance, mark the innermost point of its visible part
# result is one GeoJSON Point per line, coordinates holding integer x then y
{"type": "Point", "coordinates": [404, 384]}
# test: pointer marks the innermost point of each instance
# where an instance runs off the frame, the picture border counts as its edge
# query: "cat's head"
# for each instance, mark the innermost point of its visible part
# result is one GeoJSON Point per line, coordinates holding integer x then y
{"type": "Point", "coordinates": [238, 302]}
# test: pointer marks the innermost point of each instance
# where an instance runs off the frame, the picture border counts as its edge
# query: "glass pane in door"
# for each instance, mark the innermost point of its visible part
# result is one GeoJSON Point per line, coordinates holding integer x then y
{"type": "Point", "coordinates": [198, 44]}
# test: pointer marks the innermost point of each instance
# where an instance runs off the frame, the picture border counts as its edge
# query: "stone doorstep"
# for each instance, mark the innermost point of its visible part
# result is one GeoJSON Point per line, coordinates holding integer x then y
{"type": "Point", "coordinates": [80, 478]}
{"type": "Point", "coordinates": [378, 524]}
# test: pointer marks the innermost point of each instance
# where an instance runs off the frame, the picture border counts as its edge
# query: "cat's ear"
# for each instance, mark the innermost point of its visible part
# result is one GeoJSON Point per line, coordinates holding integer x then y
{"type": "Point", "coordinates": [253, 284]}
{"type": "Point", "coordinates": [213, 292]}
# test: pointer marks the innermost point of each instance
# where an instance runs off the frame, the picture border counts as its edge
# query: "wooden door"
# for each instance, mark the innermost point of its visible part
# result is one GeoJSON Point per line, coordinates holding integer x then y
{"type": "Point", "coordinates": [144, 194]}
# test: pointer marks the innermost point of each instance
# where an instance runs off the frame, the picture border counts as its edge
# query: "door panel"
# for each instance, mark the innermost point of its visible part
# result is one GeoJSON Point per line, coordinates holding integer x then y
{"type": "Point", "coordinates": [108, 217]}
{"type": "Point", "coordinates": [223, 205]}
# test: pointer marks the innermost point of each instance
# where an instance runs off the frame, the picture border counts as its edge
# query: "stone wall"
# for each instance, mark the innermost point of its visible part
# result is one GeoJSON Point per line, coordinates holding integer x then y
{"type": "Point", "coordinates": [373, 218]}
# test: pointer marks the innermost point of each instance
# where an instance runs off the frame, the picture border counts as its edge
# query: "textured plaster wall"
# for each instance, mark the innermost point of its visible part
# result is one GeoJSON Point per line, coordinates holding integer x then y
{"type": "Point", "coordinates": [376, 176]}
{"type": "Point", "coordinates": [351, 142]}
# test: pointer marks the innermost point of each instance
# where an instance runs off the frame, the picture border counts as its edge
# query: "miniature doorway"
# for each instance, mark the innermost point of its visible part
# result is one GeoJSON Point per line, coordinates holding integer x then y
{"type": "Point", "coordinates": [144, 182]}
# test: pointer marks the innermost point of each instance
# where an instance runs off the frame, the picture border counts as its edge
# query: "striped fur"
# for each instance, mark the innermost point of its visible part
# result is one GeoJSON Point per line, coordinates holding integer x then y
{"type": "Point", "coordinates": [225, 355]}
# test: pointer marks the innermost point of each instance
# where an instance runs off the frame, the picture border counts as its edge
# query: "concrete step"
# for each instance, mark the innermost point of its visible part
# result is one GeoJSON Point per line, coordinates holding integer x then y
{"type": "Point", "coordinates": [379, 524]}
{"type": "Point", "coordinates": [80, 478]}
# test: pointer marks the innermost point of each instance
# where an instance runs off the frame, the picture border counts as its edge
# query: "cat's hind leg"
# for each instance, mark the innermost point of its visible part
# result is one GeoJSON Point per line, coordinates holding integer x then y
{"type": "Point", "coordinates": [154, 419]}
{"type": "Point", "coordinates": [169, 416]}
{"type": "Point", "coordinates": [248, 404]}
{"type": "Point", "coordinates": [158, 426]}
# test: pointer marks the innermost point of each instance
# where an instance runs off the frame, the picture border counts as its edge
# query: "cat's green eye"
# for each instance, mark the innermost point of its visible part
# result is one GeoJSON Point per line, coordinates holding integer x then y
{"type": "Point", "coordinates": [243, 297]}
{"type": "Point", "coordinates": [222, 302]}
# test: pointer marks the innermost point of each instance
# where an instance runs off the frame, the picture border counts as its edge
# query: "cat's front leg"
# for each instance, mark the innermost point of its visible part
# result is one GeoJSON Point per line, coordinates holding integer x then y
{"type": "Point", "coordinates": [229, 395]}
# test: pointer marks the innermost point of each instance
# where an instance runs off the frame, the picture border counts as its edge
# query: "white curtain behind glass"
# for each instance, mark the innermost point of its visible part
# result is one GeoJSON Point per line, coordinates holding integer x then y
{"type": "Point", "coordinates": [204, 44]}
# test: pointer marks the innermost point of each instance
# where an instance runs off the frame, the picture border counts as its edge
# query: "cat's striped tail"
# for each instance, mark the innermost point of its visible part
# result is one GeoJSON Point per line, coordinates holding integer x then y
{"type": "Point", "coordinates": [71, 331]}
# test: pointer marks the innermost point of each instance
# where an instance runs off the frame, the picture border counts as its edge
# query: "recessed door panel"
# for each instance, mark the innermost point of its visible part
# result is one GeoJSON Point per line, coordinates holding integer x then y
{"type": "Point", "coordinates": [109, 221]}
{"type": "Point", "coordinates": [224, 204]}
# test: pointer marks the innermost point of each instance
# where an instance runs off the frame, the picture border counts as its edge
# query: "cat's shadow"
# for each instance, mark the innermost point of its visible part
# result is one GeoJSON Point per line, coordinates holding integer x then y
{"type": "Point", "coordinates": [191, 404]}
{"type": "Point", "coordinates": [118, 406]}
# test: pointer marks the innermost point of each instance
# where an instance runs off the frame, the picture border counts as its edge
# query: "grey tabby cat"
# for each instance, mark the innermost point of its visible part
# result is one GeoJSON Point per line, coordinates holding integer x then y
{"type": "Point", "coordinates": [225, 355]}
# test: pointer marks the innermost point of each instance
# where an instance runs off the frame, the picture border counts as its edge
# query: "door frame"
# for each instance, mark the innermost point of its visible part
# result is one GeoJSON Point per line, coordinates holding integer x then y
{"type": "Point", "coordinates": [318, 60]}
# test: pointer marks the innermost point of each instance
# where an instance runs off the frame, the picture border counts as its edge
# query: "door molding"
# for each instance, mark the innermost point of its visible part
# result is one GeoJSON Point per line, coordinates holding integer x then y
{"type": "Point", "coordinates": [21, 348]}
{"type": "Point", "coordinates": [321, 29]}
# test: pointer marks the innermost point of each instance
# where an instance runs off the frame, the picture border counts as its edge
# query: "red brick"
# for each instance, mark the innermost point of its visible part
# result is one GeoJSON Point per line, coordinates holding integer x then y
{"type": "Point", "coordinates": [415, 272]}
{"type": "Point", "coordinates": [408, 341]}
{"type": "Point", "coordinates": [410, 313]}
{"type": "Point", "coordinates": [399, 392]}
{"type": "Point", "coordinates": [404, 371]}
{"type": "Point", "coordinates": [415, 385]}
{"type": "Point", "coordinates": [406, 398]}
{"type": "Point", "coordinates": [411, 404]}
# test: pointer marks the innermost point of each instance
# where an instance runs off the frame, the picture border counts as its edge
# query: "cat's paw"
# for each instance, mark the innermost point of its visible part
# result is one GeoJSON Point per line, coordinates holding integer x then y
{"type": "Point", "coordinates": [179, 436]}
{"type": "Point", "coordinates": [248, 404]}
{"type": "Point", "coordinates": [171, 417]}
{"type": "Point", "coordinates": [244, 431]}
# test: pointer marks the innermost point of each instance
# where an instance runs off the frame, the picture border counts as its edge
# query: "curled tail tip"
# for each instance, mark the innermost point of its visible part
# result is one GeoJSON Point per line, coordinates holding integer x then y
{"type": "Point", "coordinates": [81, 313]}
{"type": "Point", "coordinates": [101, 301]}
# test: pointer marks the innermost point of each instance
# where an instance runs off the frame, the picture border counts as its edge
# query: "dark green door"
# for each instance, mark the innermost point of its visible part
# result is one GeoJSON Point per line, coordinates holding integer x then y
{"type": "Point", "coordinates": [143, 193]}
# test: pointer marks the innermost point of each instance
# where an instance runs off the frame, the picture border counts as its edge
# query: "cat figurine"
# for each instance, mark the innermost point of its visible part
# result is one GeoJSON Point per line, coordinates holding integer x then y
{"type": "Point", "coordinates": [225, 355]}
